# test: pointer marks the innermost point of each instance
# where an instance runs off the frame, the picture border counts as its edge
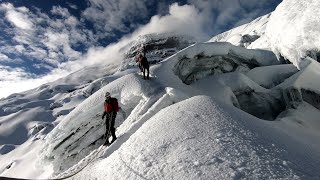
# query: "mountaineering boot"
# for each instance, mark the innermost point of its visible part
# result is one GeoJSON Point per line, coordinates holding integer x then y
{"type": "Point", "coordinates": [106, 143]}
{"type": "Point", "coordinates": [113, 139]}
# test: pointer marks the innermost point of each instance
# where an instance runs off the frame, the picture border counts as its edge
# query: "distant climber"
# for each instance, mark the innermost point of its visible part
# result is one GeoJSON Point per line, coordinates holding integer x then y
{"type": "Point", "coordinates": [143, 65]}
{"type": "Point", "coordinates": [111, 108]}
{"type": "Point", "coordinates": [138, 60]}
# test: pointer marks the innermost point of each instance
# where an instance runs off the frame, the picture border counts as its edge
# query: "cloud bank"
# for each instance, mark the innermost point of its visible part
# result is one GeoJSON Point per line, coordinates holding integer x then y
{"type": "Point", "coordinates": [38, 47]}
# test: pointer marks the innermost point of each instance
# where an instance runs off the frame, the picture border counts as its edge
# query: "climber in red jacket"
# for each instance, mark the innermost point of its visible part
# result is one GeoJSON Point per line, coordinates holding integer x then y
{"type": "Point", "coordinates": [111, 108]}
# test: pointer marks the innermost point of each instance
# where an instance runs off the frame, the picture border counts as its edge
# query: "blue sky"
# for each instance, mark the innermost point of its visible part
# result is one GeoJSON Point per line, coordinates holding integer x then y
{"type": "Point", "coordinates": [38, 38]}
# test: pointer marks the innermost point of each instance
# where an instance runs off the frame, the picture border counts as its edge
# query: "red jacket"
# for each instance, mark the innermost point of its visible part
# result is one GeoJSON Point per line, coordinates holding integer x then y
{"type": "Point", "coordinates": [139, 59]}
{"type": "Point", "coordinates": [111, 105]}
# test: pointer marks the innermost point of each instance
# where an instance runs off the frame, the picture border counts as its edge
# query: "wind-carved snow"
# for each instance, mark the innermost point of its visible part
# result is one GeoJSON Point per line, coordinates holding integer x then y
{"type": "Point", "coordinates": [214, 59]}
{"type": "Point", "coordinates": [205, 59]}
{"type": "Point", "coordinates": [270, 76]}
{"type": "Point", "coordinates": [303, 86]}
{"type": "Point", "coordinates": [260, 95]}
{"type": "Point", "coordinates": [290, 31]}
{"type": "Point", "coordinates": [293, 30]}
{"type": "Point", "coordinates": [248, 35]}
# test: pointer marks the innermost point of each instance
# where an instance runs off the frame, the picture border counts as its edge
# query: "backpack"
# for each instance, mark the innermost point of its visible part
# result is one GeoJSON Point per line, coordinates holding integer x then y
{"type": "Point", "coordinates": [115, 104]}
{"type": "Point", "coordinates": [112, 105]}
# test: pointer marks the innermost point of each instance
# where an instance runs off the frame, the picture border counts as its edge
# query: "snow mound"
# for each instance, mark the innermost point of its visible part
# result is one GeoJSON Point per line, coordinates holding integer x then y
{"type": "Point", "coordinates": [302, 115]}
{"type": "Point", "coordinates": [201, 139]}
{"type": "Point", "coordinates": [240, 91]}
{"type": "Point", "coordinates": [293, 30]}
{"type": "Point", "coordinates": [303, 86]}
{"type": "Point", "coordinates": [270, 76]}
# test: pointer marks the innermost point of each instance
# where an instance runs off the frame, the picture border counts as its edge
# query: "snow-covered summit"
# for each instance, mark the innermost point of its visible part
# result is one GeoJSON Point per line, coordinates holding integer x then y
{"type": "Point", "coordinates": [245, 35]}
{"type": "Point", "coordinates": [157, 46]}
{"type": "Point", "coordinates": [291, 32]}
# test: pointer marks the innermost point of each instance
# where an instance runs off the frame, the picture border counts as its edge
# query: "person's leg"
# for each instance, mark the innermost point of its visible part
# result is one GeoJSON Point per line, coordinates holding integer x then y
{"type": "Point", "coordinates": [140, 67]}
{"type": "Point", "coordinates": [148, 72]}
{"type": "Point", "coordinates": [113, 132]}
{"type": "Point", "coordinates": [112, 129]}
{"type": "Point", "coordinates": [107, 133]}
{"type": "Point", "coordinates": [144, 73]}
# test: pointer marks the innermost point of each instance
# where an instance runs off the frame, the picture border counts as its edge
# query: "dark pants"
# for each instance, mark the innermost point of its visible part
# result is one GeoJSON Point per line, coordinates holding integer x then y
{"type": "Point", "coordinates": [145, 68]}
{"type": "Point", "coordinates": [110, 119]}
{"type": "Point", "coordinates": [140, 67]}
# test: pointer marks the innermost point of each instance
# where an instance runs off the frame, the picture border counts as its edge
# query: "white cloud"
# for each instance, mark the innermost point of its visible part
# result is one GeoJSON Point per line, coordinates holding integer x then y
{"type": "Point", "coordinates": [50, 35]}
{"type": "Point", "coordinates": [20, 48]}
{"type": "Point", "coordinates": [60, 42]}
{"type": "Point", "coordinates": [184, 19]}
{"type": "Point", "coordinates": [3, 57]}
{"type": "Point", "coordinates": [19, 20]}
{"type": "Point", "coordinates": [11, 74]}
{"type": "Point", "coordinates": [57, 10]}
{"type": "Point", "coordinates": [18, 17]}
{"type": "Point", "coordinates": [72, 21]}
{"type": "Point", "coordinates": [111, 15]}
{"type": "Point", "coordinates": [15, 80]}
{"type": "Point", "coordinates": [55, 40]}
{"type": "Point", "coordinates": [72, 5]}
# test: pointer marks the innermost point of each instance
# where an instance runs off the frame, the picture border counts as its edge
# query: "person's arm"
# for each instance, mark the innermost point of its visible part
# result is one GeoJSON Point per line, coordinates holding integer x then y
{"type": "Point", "coordinates": [104, 114]}
{"type": "Point", "coordinates": [104, 110]}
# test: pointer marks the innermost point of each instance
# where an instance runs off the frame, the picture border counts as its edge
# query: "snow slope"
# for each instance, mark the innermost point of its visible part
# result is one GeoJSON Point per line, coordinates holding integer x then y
{"type": "Point", "coordinates": [72, 144]}
{"type": "Point", "coordinates": [197, 138]}
{"type": "Point", "coordinates": [211, 140]}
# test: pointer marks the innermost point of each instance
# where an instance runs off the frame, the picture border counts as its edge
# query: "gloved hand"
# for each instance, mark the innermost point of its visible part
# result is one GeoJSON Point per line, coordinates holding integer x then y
{"type": "Point", "coordinates": [102, 117]}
